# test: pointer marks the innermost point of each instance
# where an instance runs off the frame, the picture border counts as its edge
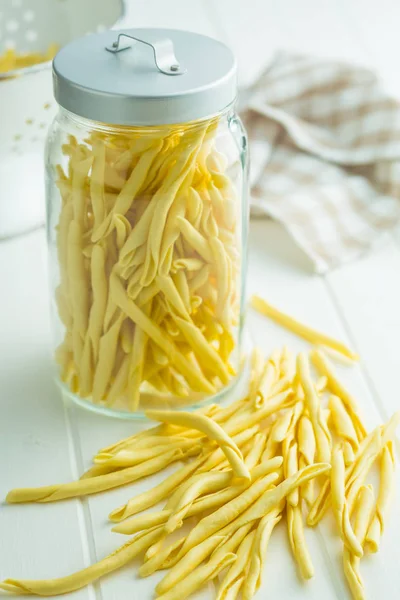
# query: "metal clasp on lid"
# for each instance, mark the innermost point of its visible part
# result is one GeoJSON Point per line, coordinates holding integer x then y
{"type": "Point", "coordinates": [164, 55]}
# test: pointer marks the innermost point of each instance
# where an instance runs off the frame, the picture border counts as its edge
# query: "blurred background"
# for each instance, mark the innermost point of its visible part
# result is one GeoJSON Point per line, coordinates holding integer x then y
{"type": "Point", "coordinates": [359, 31]}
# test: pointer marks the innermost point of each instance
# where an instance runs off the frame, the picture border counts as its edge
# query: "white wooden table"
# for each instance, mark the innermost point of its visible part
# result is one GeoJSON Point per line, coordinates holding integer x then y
{"type": "Point", "coordinates": [42, 441]}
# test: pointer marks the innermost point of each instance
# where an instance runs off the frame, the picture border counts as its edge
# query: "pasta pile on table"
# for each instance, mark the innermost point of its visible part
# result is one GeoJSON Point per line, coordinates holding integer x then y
{"type": "Point", "coordinates": [149, 256]}
{"type": "Point", "coordinates": [293, 447]}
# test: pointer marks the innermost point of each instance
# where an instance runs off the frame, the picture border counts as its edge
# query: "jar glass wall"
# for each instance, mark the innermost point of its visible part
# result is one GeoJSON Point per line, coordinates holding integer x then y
{"type": "Point", "coordinates": [147, 232]}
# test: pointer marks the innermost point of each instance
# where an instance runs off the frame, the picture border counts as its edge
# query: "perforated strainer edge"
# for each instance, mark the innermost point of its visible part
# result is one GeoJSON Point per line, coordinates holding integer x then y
{"type": "Point", "coordinates": [47, 64]}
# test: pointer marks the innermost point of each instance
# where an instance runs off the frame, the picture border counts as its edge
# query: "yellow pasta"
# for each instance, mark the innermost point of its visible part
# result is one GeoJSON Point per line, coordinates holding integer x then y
{"type": "Point", "coordinates": [256, 449]}
{"type": "Point", "coordinates": [321, 432]}
{"type": "Point", "coordinates": [228, 513]}
{"type": "Point", "coordinates": [198, 577]}
{"type": "Point", "coordinates": [139, 236]}
{"type": "Point", "coordinates": [256, 370]}
{"type": "Point", "coordinates": [200, 484]}
{"type": "Point", "coordinates": [363, 509]}
{"type": "Point", "coordinates": [344, 428]}
{"type": "Point", "coordinates": [253, 577]}
{"type": "Point", "coordinates": [187, 563]}
{"type": "Point", "coordinates": [107, 353]}
{"type": "Point", "coordinates": [357, 471]}
{"type": "Point", "coordinates": [309, 334]}
{"type": "Point", "coordinates": [336, 387]}
{"type": "Point", "coordinates": [377, 525]}
{"type": "Point", "coordinates": [216, 457]}
{"type": "Point", "coordinates": [158, 336]}
{"type": "Point", "coordinates": [339, 504]}
{"type": "Point", "coordinates": [93, 485]}
{"type": "Point", "coordinates": [63, 585]}
{"type": "Point", "coordinates": [306, 448]}
{"type": "Point", "coordinates": [274, 497]}
{"type": "Point", "coordinates": [298, 542]}
{"type": "Point", "coordinates": [234, 482]}
{"type": "Point", "coordinates": [265, 386]}
{"type": "Point", "coordinates": [290, 467]}
{"type": "Point", "coordinates": [211, 429]}
{"type": "Point", "coordinates": [239, 567]}
{"type": "Point", "coordinates": [11, 60]}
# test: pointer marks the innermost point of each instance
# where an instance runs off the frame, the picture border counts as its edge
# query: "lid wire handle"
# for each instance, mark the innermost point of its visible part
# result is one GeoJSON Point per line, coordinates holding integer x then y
{"type": "Point", "coordinates": [163, 50]}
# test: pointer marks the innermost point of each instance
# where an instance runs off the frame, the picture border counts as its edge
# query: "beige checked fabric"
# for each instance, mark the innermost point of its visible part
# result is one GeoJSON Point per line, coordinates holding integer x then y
{"type": "Point", "coordinates": [325, 155]}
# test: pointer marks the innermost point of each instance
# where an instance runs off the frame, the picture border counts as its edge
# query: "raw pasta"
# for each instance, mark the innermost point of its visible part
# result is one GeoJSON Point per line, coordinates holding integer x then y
{"type": "Point", "coordinates": [247, 466]}
{"type": "Point", "coordinates": [11, 60]}
{"type": "Point", "coordinates": [149, 262]}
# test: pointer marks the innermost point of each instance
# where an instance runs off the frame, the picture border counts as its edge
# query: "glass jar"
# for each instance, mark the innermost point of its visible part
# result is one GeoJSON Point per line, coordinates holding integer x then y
{"type": "Point", "coordinates": [147, 225]}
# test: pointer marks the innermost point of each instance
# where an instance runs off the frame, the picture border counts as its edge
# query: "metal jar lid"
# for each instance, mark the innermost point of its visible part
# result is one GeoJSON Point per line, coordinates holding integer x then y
{"type": "Point", "coordinates": [144, 76]}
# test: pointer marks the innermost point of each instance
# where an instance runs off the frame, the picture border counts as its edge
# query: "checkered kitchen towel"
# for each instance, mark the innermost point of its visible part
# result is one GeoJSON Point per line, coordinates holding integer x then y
{"type": "Point", "coordinates": [325, 149]}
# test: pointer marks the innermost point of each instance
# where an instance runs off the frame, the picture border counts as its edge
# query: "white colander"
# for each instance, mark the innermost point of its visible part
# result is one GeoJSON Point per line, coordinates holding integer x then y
{"type": "Point", "coordinates": [27, 106]}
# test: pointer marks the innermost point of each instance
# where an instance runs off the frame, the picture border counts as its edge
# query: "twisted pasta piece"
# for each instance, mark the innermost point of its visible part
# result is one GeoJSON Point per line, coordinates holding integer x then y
{"type": "Point", "coordinates": [211, 429]}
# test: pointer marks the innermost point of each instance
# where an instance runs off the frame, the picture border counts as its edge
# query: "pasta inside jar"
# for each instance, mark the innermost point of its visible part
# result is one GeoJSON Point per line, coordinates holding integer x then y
{"type": "Point", "coordinates": [148, 259]}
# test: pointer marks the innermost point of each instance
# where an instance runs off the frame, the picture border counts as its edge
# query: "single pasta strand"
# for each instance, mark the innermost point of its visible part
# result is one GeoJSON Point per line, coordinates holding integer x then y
{"type": "Point", "coordinates": [66, 216]}
{"type": "Point", "coordinates": [306, 447]}
{"type": "Point", "coordinates": [100, 294]}
{"type": "Point", "coordinates": [290, 467]}
{"type": "Point", "coordinates": [80, 166]}
{"type": "Point", "coordinates": [343, 423]}
{"type": "Point", "coordinates": [376, 528]}
{"type": "Point", "coordinates": [107, 352]}
{"type": "Point", "coordinates": [266, 384]}
{"type": "Point", "coordinates": [238, 568]}
{"type": "Point", "coordinates": [97, 181]}
{"type": "Point", "coordinates": [120, 382]}
{"type": "Point", "coordinates": [339, 504]}
{"type": "Point", "coordinates": [363, 513]}
{"type": "Point", "coordinates": [223, 278]}
{"type": "Point", "coordinates": [84, 487]}
{"type": "Point", "coordinates": [78, 280]}
{"type": "Point", "coordinates": [122, 230]}
{"type": "Point", "coordinates": [253, 577]}
{"type": "Point", "coordinates": [199, 577]}
{"type": "Point", "coordinates": [359, 470]}
{"type": "Point", "coordinates": [137, 360]}
{"type": "Point", "coordinates": [182, 285]}
{"type": "Point", "coordinates": [326, 368]}
{"type": "Point", "coordinates": [63, 585]}
{"type": "Point", "coordinates": [309, 334]}
{"type": "Point", "coordinates": [209, 428]}
{"type": "Point", "coordinates": [165, 558]}
{"type": "Point", "coordinates": [298, 542]}
{"type": "Point", "coordinates": [257, 367]}
{"type": "Point", "coordinates": [256, 449]}
{"type": "Point", "coordinates": [172, 231]}
{"type": "Point", "coordinates": [321, 432]}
